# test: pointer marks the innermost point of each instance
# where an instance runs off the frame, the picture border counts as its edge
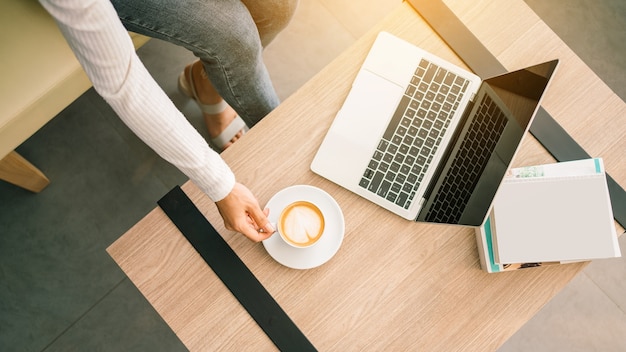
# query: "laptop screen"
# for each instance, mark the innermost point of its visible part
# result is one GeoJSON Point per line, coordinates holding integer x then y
{"type": "Point", "coordinates": [487, 142]}
{"type": "Point", "coordinates": [521, 90]}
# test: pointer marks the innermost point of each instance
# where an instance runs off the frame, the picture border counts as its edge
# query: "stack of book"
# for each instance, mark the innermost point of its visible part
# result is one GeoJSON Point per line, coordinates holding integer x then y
{"type": "Point", "coordinates": [549, 214]}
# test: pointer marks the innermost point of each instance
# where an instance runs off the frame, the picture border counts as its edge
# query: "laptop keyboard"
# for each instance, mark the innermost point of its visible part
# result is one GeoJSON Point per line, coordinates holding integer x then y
{"type": "Point", "coordinates": [468, 164]}
{"type": "Point", "coordinates": [407, 147]}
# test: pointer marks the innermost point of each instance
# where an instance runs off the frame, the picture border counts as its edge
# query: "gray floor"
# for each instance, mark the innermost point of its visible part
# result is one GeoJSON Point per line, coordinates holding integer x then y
{"type": "Point", "coordinates": [60, 291]}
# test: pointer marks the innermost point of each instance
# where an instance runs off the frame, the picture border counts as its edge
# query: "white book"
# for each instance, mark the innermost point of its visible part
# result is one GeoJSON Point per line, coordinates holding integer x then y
{"type": "Point", "coordinates": [549, 214]}
{"type": "Point", "coordinates": [487, 254]}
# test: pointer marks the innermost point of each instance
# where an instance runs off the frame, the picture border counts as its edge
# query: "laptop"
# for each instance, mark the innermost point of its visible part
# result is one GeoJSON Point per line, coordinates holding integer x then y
{"type": "Point", "coordinates": [425, 139]}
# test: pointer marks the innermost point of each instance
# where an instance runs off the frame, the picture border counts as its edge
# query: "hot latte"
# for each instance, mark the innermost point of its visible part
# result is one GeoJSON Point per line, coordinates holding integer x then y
{"type": "Point", "coordinates": [301, 224]}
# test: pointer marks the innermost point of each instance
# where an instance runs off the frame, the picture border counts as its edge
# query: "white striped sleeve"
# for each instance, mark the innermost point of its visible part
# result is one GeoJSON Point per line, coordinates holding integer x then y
{"type": "Point", "coordinates": [106, 52]}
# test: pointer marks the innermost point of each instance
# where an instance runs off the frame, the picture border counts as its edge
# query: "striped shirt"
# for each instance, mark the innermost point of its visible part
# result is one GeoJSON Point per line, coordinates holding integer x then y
{"type": "Point", "coordinates": [106, 53]}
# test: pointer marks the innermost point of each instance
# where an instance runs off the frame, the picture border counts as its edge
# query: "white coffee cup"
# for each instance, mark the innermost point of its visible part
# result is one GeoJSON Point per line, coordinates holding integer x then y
{"type": "Point", "coordinates": [300, 224]}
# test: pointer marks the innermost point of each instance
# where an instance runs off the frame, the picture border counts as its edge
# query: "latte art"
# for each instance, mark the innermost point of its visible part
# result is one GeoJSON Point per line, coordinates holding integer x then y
{"type": "Point", "coordinates": [301, 224]}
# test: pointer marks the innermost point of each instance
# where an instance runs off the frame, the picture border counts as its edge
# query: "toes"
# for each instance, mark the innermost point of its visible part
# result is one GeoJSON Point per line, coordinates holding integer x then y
{"type": "Point", "coordinates": [233, 140]}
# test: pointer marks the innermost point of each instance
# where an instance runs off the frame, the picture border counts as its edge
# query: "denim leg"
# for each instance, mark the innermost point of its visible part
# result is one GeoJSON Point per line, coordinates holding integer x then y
{"type": "Point", "coordinates": [271, 16]}
{"type": "Point", "coordinates": [223, 34]}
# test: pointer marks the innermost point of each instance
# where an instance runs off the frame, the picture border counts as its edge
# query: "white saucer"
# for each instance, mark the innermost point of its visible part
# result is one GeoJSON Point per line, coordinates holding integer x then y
{"type": "Point", "coordinates": [325, 248]}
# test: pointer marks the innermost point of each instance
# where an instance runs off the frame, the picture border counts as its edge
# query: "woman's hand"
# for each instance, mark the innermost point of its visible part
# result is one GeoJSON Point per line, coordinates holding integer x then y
{"type": "Point", "coordinates": [241, 212]}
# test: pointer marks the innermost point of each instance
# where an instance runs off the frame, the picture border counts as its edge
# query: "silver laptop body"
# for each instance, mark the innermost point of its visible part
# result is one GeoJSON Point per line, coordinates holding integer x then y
{"type": "Point", "coordinates": [425, 139]}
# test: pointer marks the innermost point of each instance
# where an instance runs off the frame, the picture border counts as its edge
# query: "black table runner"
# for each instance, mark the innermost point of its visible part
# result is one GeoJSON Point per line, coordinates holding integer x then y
{"type": "Point", "coordinates": [233, 272]}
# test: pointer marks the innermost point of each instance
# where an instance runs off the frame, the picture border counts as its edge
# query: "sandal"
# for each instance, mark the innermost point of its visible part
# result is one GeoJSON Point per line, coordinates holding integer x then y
{"type": "Point", "coordinates": [186, 87]}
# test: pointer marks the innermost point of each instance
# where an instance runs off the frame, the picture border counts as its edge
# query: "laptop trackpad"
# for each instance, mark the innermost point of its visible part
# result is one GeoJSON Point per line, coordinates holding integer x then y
{"type": "Point", "coordinates": [367, 110]}
{"type": "Point", "coordinates": [357, 129]}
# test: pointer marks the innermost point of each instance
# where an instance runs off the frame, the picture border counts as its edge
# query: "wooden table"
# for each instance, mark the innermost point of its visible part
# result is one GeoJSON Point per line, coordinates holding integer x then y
{"type": "Point", "coordinates": [394, 284]}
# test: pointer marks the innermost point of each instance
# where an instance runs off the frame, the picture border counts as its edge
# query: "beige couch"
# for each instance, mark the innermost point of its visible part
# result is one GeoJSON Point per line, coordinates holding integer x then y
{"type": "Point", "coordinates": [39, 77]}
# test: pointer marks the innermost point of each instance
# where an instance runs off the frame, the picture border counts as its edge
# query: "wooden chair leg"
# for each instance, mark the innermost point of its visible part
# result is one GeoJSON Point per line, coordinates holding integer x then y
{"type": "Point", "coordinates": [18, 171]}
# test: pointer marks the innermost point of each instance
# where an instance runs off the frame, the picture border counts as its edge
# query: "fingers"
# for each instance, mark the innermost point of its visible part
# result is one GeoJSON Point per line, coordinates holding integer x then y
{"type": "Point", "coordinates": [252, 231]}
{"type": "Point", "coordinates": [260, 224]}
{"type": "Point", "coordinates": [260, 219]}
{"type": "Point", "coordinates": [241, 212]}
{"type": "Point", "coordinates": [254, 235]}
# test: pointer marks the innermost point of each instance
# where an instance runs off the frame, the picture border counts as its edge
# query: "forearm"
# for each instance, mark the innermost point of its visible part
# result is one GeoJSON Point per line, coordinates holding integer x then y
{"type": "Point", "coordinates": [106, 52]}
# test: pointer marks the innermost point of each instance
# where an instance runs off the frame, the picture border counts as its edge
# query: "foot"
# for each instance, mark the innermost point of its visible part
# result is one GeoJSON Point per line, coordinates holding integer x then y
{"type": "Point", "coordinates": [207, 95]}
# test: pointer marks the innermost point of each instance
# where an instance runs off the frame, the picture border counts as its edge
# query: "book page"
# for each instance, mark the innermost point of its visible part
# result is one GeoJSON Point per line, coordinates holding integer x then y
{"type": "Point", "coordinates": [554, 219]}
{"type": "Point", "coordinates": [564, 169]}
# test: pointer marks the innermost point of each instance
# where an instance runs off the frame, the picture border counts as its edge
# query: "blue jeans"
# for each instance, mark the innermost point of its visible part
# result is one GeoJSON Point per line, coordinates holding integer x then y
{"type": "Point", "coordinates": [228, 36]}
